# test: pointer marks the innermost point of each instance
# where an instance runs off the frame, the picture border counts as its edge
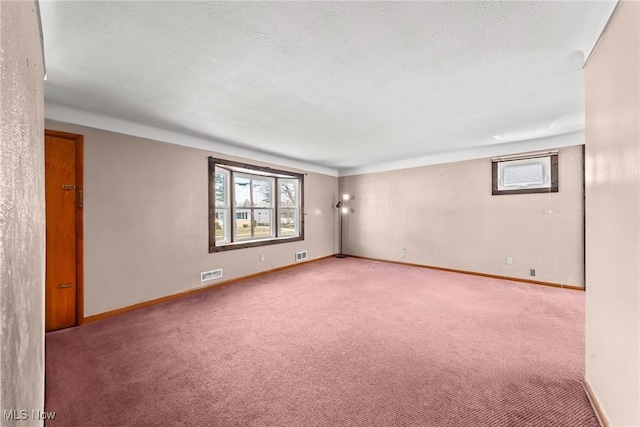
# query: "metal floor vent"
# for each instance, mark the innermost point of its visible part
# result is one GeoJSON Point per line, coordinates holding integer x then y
{"type": "Point", "coordinates": [301, 256]}
{"type": "Point", "coordinates": [210, 275]}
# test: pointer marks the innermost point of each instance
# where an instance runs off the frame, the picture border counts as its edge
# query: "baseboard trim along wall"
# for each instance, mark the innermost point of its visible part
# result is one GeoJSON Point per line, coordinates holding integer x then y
{"type": "Point", "coordinates": [475, 273]}
{"type": "Point", "coordinates": [183, 294]}
{"type": "Point", "coordinates": [593, 401]}
{"type": "Point", "coordinates": [186, 293]}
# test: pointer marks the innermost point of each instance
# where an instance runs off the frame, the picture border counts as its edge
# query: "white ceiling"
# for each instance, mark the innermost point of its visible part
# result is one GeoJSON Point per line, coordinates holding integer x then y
{"type": "Point", "coordinates": [336, 87]}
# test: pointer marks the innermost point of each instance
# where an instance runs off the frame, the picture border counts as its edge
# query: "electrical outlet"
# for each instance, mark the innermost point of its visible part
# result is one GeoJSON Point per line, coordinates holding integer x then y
{"type": "Point", "coordinates": [261, 257]}
{"type": "Point", "coordinates": [508, 260]}
{"type": "Point", "coordinates": [532, 272]}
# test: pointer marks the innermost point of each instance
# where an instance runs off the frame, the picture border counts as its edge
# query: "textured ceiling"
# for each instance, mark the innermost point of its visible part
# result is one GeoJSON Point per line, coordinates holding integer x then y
{"type": "Point", "coordinates": [344, 86]}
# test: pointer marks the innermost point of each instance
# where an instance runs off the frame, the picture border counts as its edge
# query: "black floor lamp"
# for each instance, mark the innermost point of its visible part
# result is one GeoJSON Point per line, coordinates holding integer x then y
{"type": "Point", "coordinates": [343, 206]}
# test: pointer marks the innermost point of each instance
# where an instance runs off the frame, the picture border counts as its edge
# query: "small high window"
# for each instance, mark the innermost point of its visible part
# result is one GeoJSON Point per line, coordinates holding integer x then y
{"type": "Point", "coordinates": [253, 206]}
{"type": "Point", "coordinates": [525, 173]}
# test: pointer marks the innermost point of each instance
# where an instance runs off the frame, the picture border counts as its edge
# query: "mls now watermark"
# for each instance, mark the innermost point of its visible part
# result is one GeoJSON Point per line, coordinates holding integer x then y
{"type": "Point", "coordinates": [24, 415]}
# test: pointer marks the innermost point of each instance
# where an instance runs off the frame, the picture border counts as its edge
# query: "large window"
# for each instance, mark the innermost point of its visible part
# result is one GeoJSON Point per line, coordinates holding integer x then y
{"type": "Point", "coordinates": [253, 206]}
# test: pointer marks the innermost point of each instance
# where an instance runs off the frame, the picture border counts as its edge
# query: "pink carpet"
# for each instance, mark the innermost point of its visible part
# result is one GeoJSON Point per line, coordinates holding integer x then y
{"type": "Point", "coordinates": [337, 342]}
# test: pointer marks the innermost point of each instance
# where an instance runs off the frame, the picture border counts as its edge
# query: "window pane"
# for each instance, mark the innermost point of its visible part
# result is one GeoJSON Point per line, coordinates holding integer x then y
{"type": "Point", "coordinates": [222, 230]}
{"type": "Point", "coordinates": [263, 223]}
{"type": "Point", "coordinates": [221, 184]}
{"type": "Point", "coordinates": [524, 173]}
{"type": "Point", "coordinates": [222, 222]}
{"type": "Point", "coordinates": [253, 191]}
{"type": "Point", "coordinates": [242, 191]}
{"type": "Point", "coordinates": [288, 193]}
{"type": "Point", "coordinates": [243, 224]}
{"type": "Point", "coordinates": [262, 192]}
{"type": "Point", "coordinates": [522, 176]}
{"type": "Point", "coordinates": [288, 222]}
{"type": "Point", "coordinates": [288, 207]}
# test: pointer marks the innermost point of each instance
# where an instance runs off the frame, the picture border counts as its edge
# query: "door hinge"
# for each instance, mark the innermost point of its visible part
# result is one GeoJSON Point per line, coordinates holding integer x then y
{"type": "Point", "coordinates": [80, 198]}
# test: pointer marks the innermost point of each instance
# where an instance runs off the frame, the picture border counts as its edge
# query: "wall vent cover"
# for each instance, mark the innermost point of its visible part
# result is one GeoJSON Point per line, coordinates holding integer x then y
{"type": "Point", "coordinates": [205, 276]}
{"type": "Point", "coordinates": [301, 256]}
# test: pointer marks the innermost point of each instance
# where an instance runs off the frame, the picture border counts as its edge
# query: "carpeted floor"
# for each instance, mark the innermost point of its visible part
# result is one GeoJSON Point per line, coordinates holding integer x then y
{"type": "Point", "coordinates": [337, 342]}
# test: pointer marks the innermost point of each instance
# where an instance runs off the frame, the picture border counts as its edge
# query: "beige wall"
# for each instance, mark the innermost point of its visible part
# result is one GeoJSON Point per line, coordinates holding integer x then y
{"type": "Point", "coordinates": [146, 225]}
{"type": "Point", "coordinates": [612, 97]}
{"type": "Point", "coordinates": [22, 227]}
{"type": "Point", "coordinates": [445, 216]}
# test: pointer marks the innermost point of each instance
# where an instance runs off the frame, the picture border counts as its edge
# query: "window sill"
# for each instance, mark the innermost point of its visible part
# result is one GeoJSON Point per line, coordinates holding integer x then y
{"type": "Point", "coordinates": [254, 243]}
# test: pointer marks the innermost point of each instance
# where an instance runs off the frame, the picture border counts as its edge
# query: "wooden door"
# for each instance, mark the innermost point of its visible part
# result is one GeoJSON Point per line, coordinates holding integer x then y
{"type": "Point", "coordinates": [63, 195]}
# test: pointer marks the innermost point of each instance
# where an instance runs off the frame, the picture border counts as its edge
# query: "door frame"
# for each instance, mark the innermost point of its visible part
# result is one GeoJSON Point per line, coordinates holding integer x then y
{"type": "Point", "coordinates": [79, 144]}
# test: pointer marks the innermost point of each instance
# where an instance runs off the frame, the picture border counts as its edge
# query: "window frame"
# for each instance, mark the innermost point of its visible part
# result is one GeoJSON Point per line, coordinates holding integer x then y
{"type": "Point", "coordinates": [259, 171]}
{"type": "Point", "coordinates": [551, 187]}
